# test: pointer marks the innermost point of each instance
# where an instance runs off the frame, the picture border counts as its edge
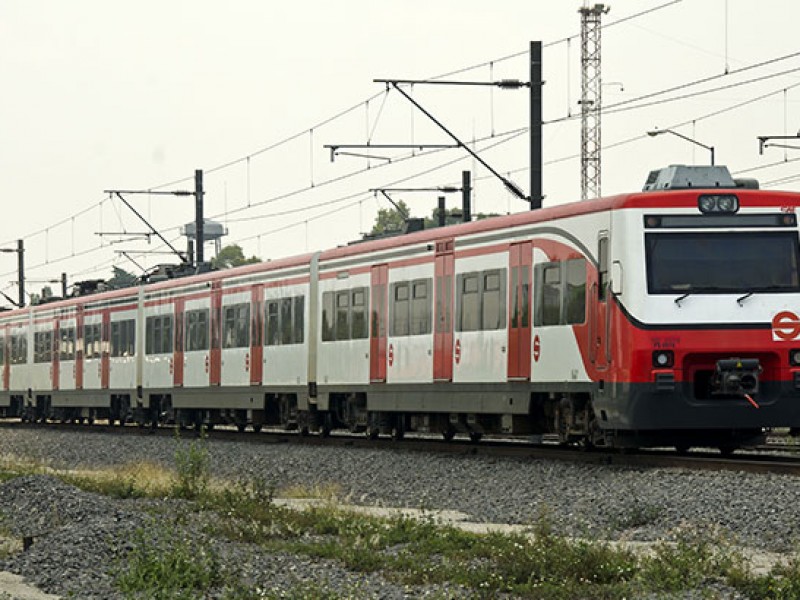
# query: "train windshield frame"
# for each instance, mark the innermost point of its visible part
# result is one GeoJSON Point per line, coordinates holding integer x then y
{"type": "Point", "coordinates": [722, 262]}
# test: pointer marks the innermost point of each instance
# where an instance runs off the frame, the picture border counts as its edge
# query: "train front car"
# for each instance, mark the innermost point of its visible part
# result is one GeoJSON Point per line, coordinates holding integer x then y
{"type": "Point", "coordinates": [704, 326]}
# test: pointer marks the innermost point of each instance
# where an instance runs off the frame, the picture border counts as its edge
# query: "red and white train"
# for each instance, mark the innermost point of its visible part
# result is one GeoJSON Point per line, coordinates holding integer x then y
{"type": "Point", "coordinates": [668, 316]}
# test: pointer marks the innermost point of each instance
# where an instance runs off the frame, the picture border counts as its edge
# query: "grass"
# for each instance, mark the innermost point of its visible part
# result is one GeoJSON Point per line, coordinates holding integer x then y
{"type": "Point", "coordinates": [165, 562]}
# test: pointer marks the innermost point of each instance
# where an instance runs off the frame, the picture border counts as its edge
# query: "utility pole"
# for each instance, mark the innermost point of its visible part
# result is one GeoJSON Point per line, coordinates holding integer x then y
{"type": "Point", "coordinates": [63, 285]}
{"type": "Point", "coordinates": [21, 271]}
{"type": "Point", "coordinates": [536, 125]}
{"type": "Point", "coordinates": [466, 195]}
{"type": "Point", "coordinates": [591, 85]}
{"type": "Point", "coordinates": [198, 216]}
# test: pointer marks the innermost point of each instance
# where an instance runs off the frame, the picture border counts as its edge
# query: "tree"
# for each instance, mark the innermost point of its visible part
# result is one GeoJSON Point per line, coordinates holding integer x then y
{"type": "Point", "coordinates": [232, 256]}
{"type": "Point", "coordinates": [389, 219]}
{"type": "Point", "coordinates": [121, 279]}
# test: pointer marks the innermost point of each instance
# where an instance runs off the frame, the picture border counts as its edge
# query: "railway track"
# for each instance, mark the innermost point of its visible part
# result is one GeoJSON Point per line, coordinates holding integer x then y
{"type": "Point", "coordinates": [779, 457]}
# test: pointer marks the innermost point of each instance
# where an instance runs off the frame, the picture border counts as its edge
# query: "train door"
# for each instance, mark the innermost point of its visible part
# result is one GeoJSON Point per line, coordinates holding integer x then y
{"type": "Point", "coordinates": [519, 325]}
{"type": "Point", "coordinates": [6, 341]}
{"type": "Point", "coordinates": [105, 357]}
{"type": "Point", "coordinates": [443, 317]}
{"type": "Point", "coordinates": [600, 336]}
{"type": "Point", "coordinates": [256, 335]}
{"type": "Point", "coordinates": [179, 345]}
{"type": "Point", "coordinates": [56, 354]}
{"type": "Point", "coordinates": [215, 353]}
{"type": "Point", "coordinates": [377, 340]}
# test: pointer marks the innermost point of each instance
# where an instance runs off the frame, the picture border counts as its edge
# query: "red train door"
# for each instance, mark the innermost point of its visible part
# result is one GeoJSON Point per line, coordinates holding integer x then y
{"type": "Point", "coordinates": [519, 314]}
{"type": "Point", "coordinates": [79, 348]}
{"type": "Point", "coordinates": [377, 340]}
{"type": "Point", "coordinates": [443, 311]}
{"type": "Point", "coordinates": [178, 347]}
{"type": "Point", "coordinates": [105, 363]}
{"type": "Point", "coordinates": [256, 333]}
{"type": "Point", "coordinates": [215, 353]}
{"type": "Point", "coordinates": [56, 349]}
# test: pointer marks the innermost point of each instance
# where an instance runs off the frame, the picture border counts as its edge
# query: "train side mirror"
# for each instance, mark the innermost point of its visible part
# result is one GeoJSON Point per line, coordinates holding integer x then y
{"type": "Point", "coordinates": [616, 278]}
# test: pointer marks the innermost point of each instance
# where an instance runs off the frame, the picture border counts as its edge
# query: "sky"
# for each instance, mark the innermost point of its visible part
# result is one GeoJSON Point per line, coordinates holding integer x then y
{"type": "Point", "coordinates": [102, 94]}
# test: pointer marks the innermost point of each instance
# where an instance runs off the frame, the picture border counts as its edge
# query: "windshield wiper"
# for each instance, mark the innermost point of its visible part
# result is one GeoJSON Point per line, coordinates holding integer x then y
{"type": "Point", "coordinates": [740, 300]}
{"type": "Point", "coordinates": [683, 297]}
{"type": "Point", "coordinates": [761, 290]}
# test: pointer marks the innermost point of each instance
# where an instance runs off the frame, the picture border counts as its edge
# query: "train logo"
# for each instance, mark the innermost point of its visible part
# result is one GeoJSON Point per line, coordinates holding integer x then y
{"type": "Point", "coordinates": [785, 326]}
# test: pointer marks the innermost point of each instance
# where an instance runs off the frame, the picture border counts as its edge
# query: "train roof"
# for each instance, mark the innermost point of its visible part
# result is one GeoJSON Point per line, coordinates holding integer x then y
{"type": "Point", "coordinates": [661, 199]}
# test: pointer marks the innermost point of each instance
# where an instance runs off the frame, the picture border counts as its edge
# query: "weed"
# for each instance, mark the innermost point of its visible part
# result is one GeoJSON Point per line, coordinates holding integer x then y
{"type": "Point", "coordinates": [636, 513]}
{"type": "Point", "coordinates": [192, 462]}
{"type": "Point", "coordinates": [165, 564]}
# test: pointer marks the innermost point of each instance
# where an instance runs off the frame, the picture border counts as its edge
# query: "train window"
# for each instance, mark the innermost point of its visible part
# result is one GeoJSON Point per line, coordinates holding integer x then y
{"type": "Point", "coordinates": [299, 319]}
{"type": "Point", "coordinates": [493, 314]}
{"type": "Point", "coordinates": [421, 307]}
{"type": "Point", "coordinates": [400, 309]}
{"type": "Point", "coordinates": [327, 317]}
{"type": "Point", "coordinates": [602, 267]}
{"type": "Point", "coordinates": [515, 303]}
{"type": "Point", "coordinates": [547, 307]}
{"type": "Point", "coordinates": [42, 346]}
{"type": "Point", "coordinates": [575, 296]}
{"type": "Point", "coordinates": [91, 340]}
{"type": "Point", "coordinates": [196, 330]}
{"type": "Point", "coordinates": [286, 321]}
{"type": "Point", "coordinates": [123, 338]}
{"type": "Point", "coordinates": [66, 346]}
{"type": "Point", "coordinates": [19, 349]}
{"type": "Point", "coordinates": [272, 336]}
{"type": "Point", "coordinates": [343, 315]}
{"type": "Point", "coordinates": [158, 335]}
{"type": "Point", "coordinates": [358, 317]}
{"type": "Point", "coordinates": [469, 303]}
{"type": "Point", "coordinates": [525, 293]}
{"type": "Point", "coordinates": [236, 325]}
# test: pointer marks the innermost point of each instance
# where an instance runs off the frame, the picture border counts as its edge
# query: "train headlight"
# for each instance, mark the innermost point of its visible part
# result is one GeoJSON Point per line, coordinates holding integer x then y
{"type": "Point", "coordinates": [794, 357]}
{"type": "Point", "coordinates": [663, 359]}
{"type": "Point", "coordinates": [718, 203]}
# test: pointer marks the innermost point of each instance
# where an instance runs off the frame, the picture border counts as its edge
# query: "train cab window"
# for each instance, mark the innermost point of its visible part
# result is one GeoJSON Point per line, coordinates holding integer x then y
{"type": "Point", "coordinates": [123, 338]}
{"type": "Point", "coordinates": [91, 340]}
{"type": "Point", "coordinates": [158, 335]}
{"type": "Point", "coordinates": [196, 330]}
{"type": "Point", "coordinates": [236, 325]}
{"type": "Point", "coordinates": [66, 346]}
{"type": "Point", "coordinates": [358, 316]}
{"type": "Point", "coordinates": [400, 312]}
{"type": "Point", "coordinates": [43, 346]}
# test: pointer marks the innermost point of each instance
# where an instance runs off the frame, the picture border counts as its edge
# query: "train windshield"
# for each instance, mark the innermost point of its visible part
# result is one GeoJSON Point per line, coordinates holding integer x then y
{"type": "Point", "coordinates": [679, 263]}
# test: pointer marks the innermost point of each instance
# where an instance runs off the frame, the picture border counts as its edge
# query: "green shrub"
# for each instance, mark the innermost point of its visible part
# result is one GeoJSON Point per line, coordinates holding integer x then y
{"type": "Point", "coordinates": [192, 462]}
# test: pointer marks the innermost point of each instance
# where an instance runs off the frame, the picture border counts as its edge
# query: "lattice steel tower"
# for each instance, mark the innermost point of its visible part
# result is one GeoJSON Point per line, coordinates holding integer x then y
{"type": "Point", "coordinates": [591, 89]}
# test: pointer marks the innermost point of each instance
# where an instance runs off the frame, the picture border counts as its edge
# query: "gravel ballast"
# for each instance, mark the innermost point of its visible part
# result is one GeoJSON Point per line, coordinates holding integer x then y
{"type": "Point", "coordinates": [77, 535]}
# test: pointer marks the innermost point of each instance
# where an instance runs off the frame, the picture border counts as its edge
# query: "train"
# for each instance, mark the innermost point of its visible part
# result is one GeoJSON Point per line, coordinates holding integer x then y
{"type": "Point", "coordinates": [666, 317]}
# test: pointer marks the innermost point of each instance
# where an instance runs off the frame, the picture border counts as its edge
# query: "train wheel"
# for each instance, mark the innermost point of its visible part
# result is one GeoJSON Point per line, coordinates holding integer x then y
{"type": "Point", "coordinates": [682, 448]}
{"type": "Point", "coordinates": [240, 427]}
{"type": "Point", "coordinates": [372, 432]}
{"type": "Point", "coordinates": [475, 436]}
{"type": "Point", "coordinates": [727, 449]}
{"type": "Point", "coordinates": [257, 427]}
{"type": "Point", "coordinates": [448, 434]}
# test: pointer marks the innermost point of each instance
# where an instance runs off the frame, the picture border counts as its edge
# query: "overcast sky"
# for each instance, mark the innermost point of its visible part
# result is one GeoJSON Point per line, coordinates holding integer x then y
{"type": "Point", "coordinates": [134, 95]}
